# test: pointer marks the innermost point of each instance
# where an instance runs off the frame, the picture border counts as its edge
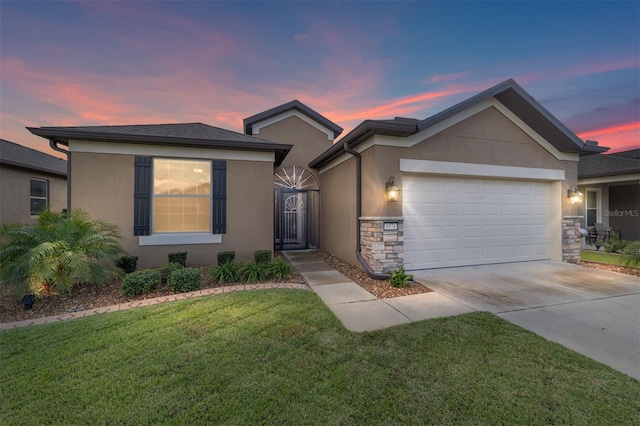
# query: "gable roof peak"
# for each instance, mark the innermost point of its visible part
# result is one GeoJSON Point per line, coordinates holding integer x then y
{"type": "Point", "coordinates": [249, 122]}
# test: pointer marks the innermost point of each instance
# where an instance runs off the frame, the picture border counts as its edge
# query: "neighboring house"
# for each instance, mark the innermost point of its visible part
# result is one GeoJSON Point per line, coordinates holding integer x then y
{"type": "Point", "coordinates": [30, 181]}
{"type": "Point", "coordinates": [611, 185]}
{"type": "Point", "coordinates": [484, 181]}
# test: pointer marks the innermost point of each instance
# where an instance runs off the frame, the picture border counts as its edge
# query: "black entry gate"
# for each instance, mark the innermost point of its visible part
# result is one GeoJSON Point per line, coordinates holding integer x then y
{"type": "Point", "coordinates": [296, 219]}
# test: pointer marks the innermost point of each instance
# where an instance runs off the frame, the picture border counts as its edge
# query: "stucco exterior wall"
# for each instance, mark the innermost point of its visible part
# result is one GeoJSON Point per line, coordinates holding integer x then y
{"type": "Point", "coordinates": [308, 142]}
{"type": "Point", "coordinates": [485, 138]}
{"type": "Point", "coordinates": [338, 211]}
{"type": "Point", "coordinates": [15, 190]}
{"type": "Point", "coordinates": [103, 185]}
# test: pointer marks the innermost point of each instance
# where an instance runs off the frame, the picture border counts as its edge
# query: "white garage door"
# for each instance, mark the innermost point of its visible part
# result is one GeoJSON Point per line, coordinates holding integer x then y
{"type": "Point", "coordinates": [458, 221]}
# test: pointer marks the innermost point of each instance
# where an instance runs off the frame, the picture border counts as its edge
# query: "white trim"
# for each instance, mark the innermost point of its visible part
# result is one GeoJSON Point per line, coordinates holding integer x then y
{"type": "Point", "coordinates": [555, 221]}
{"type": "Point", "coordinates": [598, 206]}
{"type": "Point", "coordinates": [169, 151]}
{"type": "Point", "coordinates": [484, 170]}
{"type": "Point", "coordinates": [610, 179]}
{"type": "Point", "coordinates": [177, 238]}
{"type": "Point", "coordinates": [255, 128]}
{"type": "Point", "coordinates": [381, 218]}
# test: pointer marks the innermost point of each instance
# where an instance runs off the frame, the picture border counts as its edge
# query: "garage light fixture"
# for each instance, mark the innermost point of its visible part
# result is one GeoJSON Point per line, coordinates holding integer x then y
{"type": "Point", "coordinates": [393, 192]}
{"type": "Point", "coordinates": [575, 196]}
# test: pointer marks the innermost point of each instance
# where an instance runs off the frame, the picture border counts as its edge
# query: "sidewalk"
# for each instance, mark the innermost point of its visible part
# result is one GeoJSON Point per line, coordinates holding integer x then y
{"type": "Point", "coordinates": [360, 310]}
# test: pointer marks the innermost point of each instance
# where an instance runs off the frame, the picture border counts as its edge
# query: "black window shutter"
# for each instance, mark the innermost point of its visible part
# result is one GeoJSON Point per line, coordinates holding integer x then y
{"type": "Point", "coordinates": [142, 196]}
{"type": "Point", "coordinates": [219, 195]}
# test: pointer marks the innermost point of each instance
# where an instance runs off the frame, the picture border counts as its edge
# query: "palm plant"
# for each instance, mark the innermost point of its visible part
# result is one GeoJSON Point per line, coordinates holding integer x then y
{"type": "Point", "coordinates": [58, 252]}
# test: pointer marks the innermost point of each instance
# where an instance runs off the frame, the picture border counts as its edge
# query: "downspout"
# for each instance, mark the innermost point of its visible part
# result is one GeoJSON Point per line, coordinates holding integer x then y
{"type": "Point", "coordinates": [54, 145]}
{"type": "Point", "coordinates": [359, 256]}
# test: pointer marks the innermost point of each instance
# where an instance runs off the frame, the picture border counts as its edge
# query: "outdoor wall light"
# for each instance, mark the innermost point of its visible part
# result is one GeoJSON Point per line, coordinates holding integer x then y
{"type": "Point", "coordinates": [575, 196]}
{"type": "Point", "coordinates": [393, 192]}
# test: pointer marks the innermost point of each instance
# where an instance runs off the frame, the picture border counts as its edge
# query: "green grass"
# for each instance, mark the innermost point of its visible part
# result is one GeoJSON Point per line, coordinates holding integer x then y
{"type": "Point", "coordinates": [281, 357]}
{"type": "Point", "coordinates": [601, 257]}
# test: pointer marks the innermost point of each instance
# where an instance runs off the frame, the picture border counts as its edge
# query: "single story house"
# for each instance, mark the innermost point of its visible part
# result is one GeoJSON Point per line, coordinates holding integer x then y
{"type": "Point", "coordinates": [484, 181]}
{"type": "Point", "coordinates": [30, 181]}
{"type": "Point", "coordinates": [611, 186]}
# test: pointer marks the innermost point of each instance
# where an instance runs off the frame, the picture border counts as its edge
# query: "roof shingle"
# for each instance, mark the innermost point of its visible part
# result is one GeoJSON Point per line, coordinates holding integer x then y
{"type": "Point", "coordinates": [20, 156]}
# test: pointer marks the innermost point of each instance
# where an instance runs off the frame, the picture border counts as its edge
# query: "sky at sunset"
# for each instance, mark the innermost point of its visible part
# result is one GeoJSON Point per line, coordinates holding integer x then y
{"type": "Point", "coordinates": [113, 63]}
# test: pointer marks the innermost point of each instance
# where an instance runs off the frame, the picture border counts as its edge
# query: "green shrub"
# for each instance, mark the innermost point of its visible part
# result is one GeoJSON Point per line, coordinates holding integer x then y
{"type": "Point", "coordinates": [167, 269]}
{"type": "Point", "coordinates": [631, 255]}
{"type": "Point", "coordinates": [58, 252]}
{"type": "Point", "coordinates": [280, 269]}
{"type": "Point", "coordinates": [178, 257]}
{"type": "Point", "coordinates": [140, 282]}
{"type": "Point", "coordinates": [400, 279]}
{"type": "Point", "coordinates": [226, 257]}
{"type": "Point", "coordinates": [127, 263]}
{"type": "Point", "coordinates": [184, 280]}
{"type": "Point", "coordinates": [614, 244]}
{"type": "Point", "coordinates": [262, 256]}
{"type": "Point", "coordinates": [254, 272]}
{"type": "Point", "coordinates": [227, 272]}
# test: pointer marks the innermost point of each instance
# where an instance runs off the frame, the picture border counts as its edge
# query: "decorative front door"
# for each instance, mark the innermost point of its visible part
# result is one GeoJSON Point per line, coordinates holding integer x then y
{"type": "Point", "coordinates": [296, 209]}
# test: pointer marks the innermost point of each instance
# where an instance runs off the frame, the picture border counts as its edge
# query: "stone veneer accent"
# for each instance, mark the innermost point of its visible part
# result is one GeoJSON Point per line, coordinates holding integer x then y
{"type": "Point", "coordinates": [571, 238]}
{"type": "Point", "coordinates": [383, 250]}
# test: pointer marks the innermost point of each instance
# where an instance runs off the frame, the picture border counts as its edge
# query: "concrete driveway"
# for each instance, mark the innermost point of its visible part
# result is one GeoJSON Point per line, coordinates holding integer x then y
{"type": "Point", "coordinates": [594, 312]}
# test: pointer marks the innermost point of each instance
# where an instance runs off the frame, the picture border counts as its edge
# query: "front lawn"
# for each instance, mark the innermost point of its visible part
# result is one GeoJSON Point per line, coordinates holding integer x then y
{"type": "Point", "coordinates": [281, 357]}
{"type": "Point", "coordinates": [601, 257]}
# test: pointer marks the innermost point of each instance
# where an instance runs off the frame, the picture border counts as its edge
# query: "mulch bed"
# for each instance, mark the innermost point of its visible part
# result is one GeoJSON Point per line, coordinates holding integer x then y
{"type": "Point", "coordinates": [90, 296]}
{"type": "Point", "coordinates": [379, 288]}
{"type": "Point", "coordinates": [613, 268]}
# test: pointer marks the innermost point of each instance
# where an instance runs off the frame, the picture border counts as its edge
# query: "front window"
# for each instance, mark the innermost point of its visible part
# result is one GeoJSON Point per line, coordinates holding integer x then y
{"type": "Point", "coordinates": [181, 195]}
{"type": "Point", "coordinates": [39, 198]}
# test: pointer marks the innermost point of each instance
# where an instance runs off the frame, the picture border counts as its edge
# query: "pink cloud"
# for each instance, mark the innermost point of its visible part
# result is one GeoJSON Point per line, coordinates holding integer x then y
{"type": "Point", "coordinates": [445, 78]}
{"type": "Point", "coordinates": [619, 137]}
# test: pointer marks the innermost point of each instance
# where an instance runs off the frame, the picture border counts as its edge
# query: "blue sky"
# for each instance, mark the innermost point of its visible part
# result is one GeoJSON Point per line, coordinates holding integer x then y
{"type": "Point", "coordinates": [103, 63]}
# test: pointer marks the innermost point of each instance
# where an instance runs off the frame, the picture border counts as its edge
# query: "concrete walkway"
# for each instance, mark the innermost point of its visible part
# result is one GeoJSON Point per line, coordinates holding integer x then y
{"type": "Point", "coordinates": [360, 310]}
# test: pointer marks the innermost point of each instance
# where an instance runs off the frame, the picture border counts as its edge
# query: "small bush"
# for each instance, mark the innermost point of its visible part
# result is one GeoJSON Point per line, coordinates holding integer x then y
{"type": "Point", "coordinates": [614, 244]}
{"type": "Point", "coordinates": [184, 280]}
{"type": "Point", "coordinates": [262, 256]}
{"type": "Point", "coordinates": [167, 269]}
{"type": "Point", "coordinates": [280, 270]}
{"type": "Point", "coordinates": [140, 282]}
{"type": "Point", "coordinates": [254, 272]}
{"type": "Point", "coordinates": [127, 263]}
{"type": "Point", "coordinates": [178, 257]}
{"type": "Point", "coordinates": [226, 272]}
{"type": "Point", "coordinates": [226, 257]}
{"type": "Point", "coordinates": [631, 255]}
{"type": "Point", "coordinates": [399, 278]}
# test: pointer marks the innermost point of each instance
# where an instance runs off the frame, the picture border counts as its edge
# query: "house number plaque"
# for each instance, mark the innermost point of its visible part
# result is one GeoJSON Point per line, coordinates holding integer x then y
{"type": "Point", "coordinates": [389, 226]}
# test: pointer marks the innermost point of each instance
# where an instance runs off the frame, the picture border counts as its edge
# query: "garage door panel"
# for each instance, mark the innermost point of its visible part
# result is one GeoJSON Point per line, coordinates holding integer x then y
{"type": "Point", "coordinates": [467, 221]}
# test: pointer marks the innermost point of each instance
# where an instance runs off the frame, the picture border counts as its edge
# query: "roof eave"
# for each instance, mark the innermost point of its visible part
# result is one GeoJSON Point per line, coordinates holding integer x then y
{"type": "Point", "coordinates": [495, 92]}
{"type": "Point", "coordinates": [297, 105]}
{"type": "Point", "coordinates": [32, 167]}
{"type": "Point", "coordinates": [607, 174]}
{"type": "Point", "coordinates": [64, 136]}
{"type": "Point", "coordinates": [361, 133]}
